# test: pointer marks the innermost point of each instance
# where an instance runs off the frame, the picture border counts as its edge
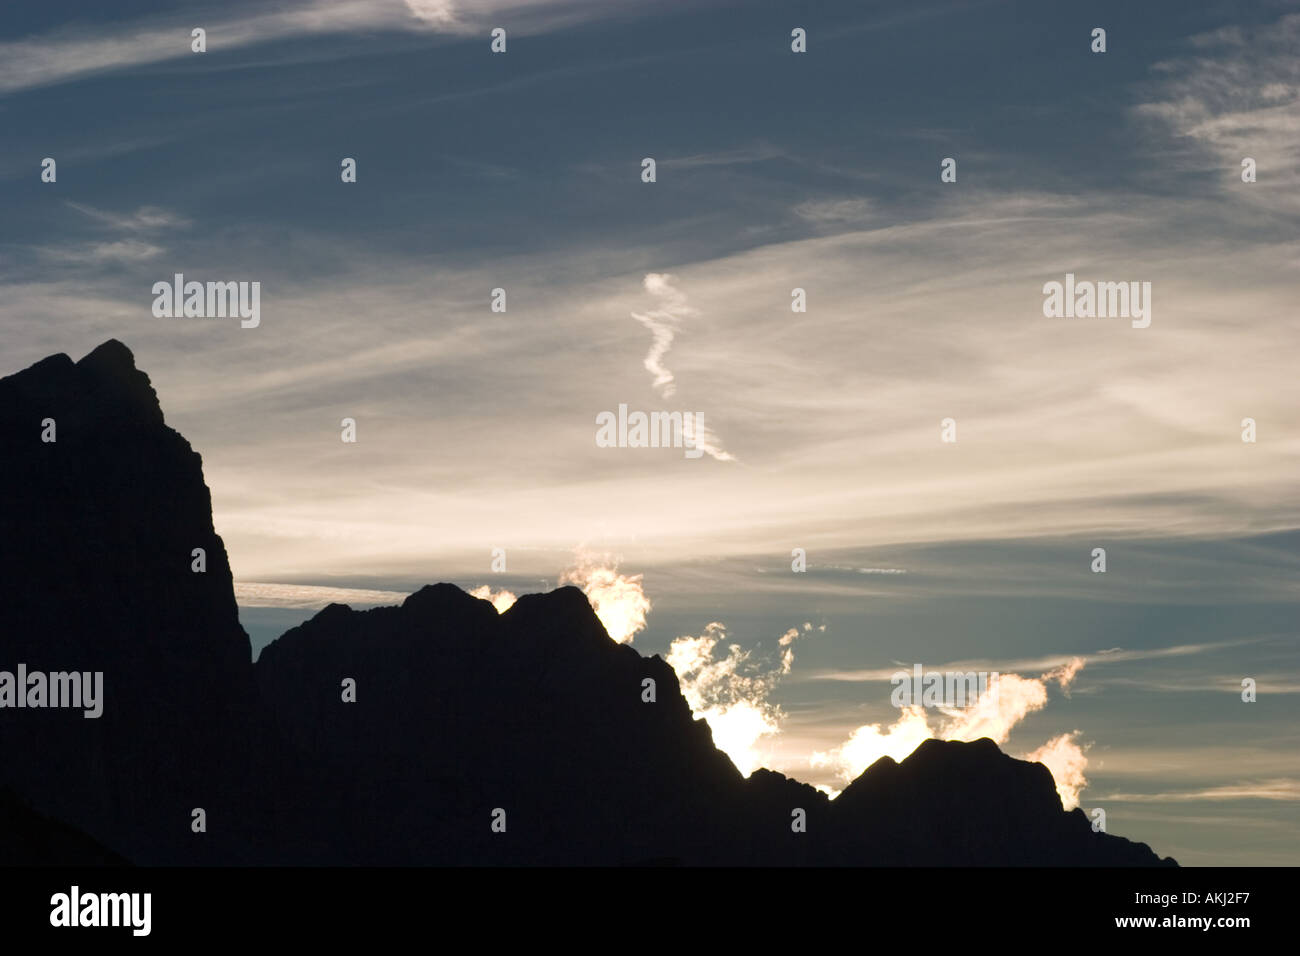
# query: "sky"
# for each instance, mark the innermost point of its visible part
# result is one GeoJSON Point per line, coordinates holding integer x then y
{"type": "Point", "coordinates": [822, 430]}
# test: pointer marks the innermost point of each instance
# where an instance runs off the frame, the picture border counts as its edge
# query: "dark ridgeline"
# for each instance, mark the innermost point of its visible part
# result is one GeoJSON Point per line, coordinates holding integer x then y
{"type": "Point", "coordinates": [459, 710]}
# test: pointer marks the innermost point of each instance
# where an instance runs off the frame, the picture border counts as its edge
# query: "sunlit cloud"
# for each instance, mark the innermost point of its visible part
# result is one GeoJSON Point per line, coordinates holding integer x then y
{"type": "Point", "coordinates": [731, 689]}
{"type": "Point", "coordinates": [501, 600]}
{"type": "Point", "coordinates": [1065, 758]}
{"type": "Point", "coordinates": [1065, 674]}
{"type": "Point", "coordinates": [869, 742]}
{"type": "Point", "coordinates": [618, 599]}
{"type": "Point", "coordinates": [1007, 701]}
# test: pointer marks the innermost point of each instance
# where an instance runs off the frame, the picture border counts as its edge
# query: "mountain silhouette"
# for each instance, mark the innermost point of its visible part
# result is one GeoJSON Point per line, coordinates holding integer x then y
{"type": "Point", "coordinates": [29, 839]}
{"type": "Point", "coordinates": [465, 722]}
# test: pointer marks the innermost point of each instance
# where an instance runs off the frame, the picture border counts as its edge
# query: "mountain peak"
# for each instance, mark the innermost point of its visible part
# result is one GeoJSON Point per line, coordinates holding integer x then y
{"type": "Point", "coordinates": [443, 600]}
{"type": "Point", "coordinates": [102, 507]}
{"type": "Point", "coordinates": [113, 377]}
{"type": "Point", "coordinates": [110, 353]}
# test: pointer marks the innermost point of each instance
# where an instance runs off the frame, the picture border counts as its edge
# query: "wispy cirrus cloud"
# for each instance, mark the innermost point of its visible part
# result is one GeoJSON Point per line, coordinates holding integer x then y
{"type": "Point", "coordinates": [733, 157]}
{"type": "Point", "coordinates": [130, 249]}
{"type": "Point", "coordinates": [1236, 94]}
{"type": "Point", "coordinates": [72, 53]}
{"type": "Point", "coordinates": [838, 212]}
{"type": "Point", "coordinates": [706, 440]}
{"type": "Point", "coordinates": [1062, 674]}
{"type": "Point", "coordinates": [663, 323]}
{"type": "Point", "coordinates": [1281, 789]}
{"type": "Point", "coordinates": [309, 596]}
{"type": "Point", "coordinates": [69, 53]}
{"type": "Point", "coordinates": [101, 253]}
{"type": "Point", "coordinates": [143, 219]}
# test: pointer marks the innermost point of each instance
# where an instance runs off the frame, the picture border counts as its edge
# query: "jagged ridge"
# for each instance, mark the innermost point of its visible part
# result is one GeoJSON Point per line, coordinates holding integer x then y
{"type": "Point", "coordinates": [459, 710]}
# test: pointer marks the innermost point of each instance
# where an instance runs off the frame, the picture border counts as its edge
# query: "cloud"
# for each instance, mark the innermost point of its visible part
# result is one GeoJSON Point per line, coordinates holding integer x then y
{"type": "Point", "coordinates": [663, 324]}
{"type": "Point", "coordinates": [853, 426]}
{"type": "Point", "coordinates": [143, 219]}
{"type": "Point", "coordinates": [501, 600]}
{"type": "Point", "coordinates": [1204, 684]}
{"type": "Point", "coordinates": [125, 250]}
{"type": "Point", "coordinates": [618, 599]}
{"type": "Point", "coordinates": [734, 157]}
{"type": "Point", "coordinates": [841, 567]}
{"type": "Point", "coordinates": [700, 436]}
{"type": "Point", "coordinates": [731, 690]}
{"type": "Point", "coordinates": [1065, 758]}
{"type": "Point", "coordinates": [1273, 789]}
{"type": "Point", "coordinates": [100, 253]}
{"type": "Point", "coordinates": [1217, 105]}
{"type": "Point", "coordinates": [1008, 700]}
{"type": "Point", "coordinates": [270, 594]}
{"type": "Point", "coordinates": [868, 743]}
{"type": "Point", "coordinates": [1071, 427]}
{"type": "Point", "coordinates": [436, 12]}
{"type": "Point", "coordinates": [1065, 674]}
{"type": "Point", "coordinates": [834, 211]}
{"type": "Point", "coordinates": [69, 54]}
